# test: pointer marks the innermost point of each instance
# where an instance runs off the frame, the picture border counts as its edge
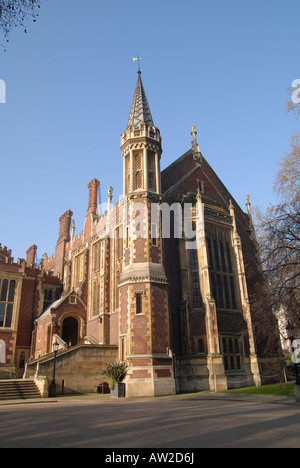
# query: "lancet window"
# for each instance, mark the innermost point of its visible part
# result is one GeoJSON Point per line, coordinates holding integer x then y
{"type": "Point", "coordinates": [96, 256]}
{"type": "Point", "coordinates": [197, 298]}
{"type": "Point", "coordinates": [95, 310]}
{"type": "Point", "coordinates": [138, 167]}
{"type": "Point", "coordinates": [7, 298]}
{"type": "Point", "coordinates": [231, 350]}
{"type": "Point", "coordinates": [49, 298]}
{"type": "Point", "coordinates": [221, 269]}
{"type": "Point", "coordinates": [151, 172]}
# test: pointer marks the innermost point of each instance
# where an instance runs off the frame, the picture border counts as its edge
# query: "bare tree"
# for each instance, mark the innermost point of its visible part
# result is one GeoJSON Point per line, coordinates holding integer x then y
{"type": "Point", "coordinates": [279, 237]}
{"type": "Point", "coordinates": [265, 324]}
{"type": "Point", "coordinates": [279, 229]}
{"type": "Point", "coordinates": [287, 182]}
{"type": "Point", "coordinates": [15, 13]}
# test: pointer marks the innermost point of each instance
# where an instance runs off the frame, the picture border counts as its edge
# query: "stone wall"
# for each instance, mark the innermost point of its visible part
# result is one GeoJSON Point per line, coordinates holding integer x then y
{"type": "Point", "coordinates": [76, 368]}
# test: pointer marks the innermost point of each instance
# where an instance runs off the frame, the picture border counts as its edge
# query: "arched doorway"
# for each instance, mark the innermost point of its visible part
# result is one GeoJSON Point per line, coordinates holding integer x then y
{"type": "Point", "coordinates": [70, 331]}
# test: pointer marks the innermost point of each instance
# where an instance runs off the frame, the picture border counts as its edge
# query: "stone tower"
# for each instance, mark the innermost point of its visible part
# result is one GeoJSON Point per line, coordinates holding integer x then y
{"type": "Point", "coordinates": [143, 286]}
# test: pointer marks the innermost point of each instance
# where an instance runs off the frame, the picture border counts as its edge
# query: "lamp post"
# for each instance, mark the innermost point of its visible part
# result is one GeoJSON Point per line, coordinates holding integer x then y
{"type": "Point", "coordinates": [52, 392]}
{"type": "Point", "coordinates": [290, 332]}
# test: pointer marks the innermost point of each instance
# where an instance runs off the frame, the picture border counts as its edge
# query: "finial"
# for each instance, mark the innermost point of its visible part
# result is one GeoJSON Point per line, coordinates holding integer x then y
{"type": "Point", "coordinates": [248, 204]}
{"type": "Point", "coordinates": [195, 146]}
{"type": "Point", "coordinates": [137, 59]}
{"type": "Point", "coordinates": [194, 133]}
{"type": "Point", "coordinates": [231, 210]}
{"type": "Point", "coordinates": [110, 195]}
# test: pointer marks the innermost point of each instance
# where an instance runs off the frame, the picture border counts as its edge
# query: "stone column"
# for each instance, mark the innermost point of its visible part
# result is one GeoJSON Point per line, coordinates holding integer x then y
{"type": "Point", "coordinates": [217, 377]}
{"type": "Point", "coordinates": [237, 246]}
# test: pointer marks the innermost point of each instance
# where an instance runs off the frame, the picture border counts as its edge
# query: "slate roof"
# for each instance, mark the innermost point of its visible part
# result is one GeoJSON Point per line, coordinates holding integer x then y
{"type": "Point", "coordinates": [140, 110]}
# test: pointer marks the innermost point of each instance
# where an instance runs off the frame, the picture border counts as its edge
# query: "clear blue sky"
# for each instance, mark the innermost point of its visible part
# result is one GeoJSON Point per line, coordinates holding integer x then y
{"type": "Point", "coordinates": [222, 65]}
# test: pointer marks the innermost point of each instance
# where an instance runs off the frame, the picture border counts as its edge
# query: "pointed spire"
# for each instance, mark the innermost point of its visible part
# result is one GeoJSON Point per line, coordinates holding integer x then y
{"type": "Point", "coordinates": [140, 110]}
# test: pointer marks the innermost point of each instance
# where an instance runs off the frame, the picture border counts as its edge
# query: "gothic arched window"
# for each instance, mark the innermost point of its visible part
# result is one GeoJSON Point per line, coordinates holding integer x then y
{"type": "Point", "coordinates": [151, 172]}
{"type": "Point", "coordinates": [197, 297]}
{"type": "Point", "coordinates": [138, 168]}
{"type": "Point", "coordinates": [7, 297]}
{"type": "Point", "coordinates": [221, 270]}
{"type": "Point", "coordinates": [232, 353]}
{"type": "Point", "coordinates": [200, 346]}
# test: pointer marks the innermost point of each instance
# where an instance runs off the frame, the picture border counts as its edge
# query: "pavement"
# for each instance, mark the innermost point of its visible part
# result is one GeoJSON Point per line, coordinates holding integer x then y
{"type": "Point", "coordinates": [201, 396]}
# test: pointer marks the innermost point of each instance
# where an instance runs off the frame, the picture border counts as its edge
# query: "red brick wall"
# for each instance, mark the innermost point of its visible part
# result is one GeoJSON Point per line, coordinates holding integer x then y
{"type": "Point", "coordinates": [123, 310]}
{"type": "Point", "coordinates": [26, 317]}
{"type": "Point", "coordinates": [41, 337]}
{"type": "Point", "coordinates": [113, 321]}
{"type": "Point", "coordinates": [160, 325]}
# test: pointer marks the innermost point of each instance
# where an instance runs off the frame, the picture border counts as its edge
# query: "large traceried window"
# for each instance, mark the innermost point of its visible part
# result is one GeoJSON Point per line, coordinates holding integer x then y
{"type": "Point", "coordinates": [221, 269]}
{"type": "Point", "coordinates": [7, 297]}
{"type": "Point", "coordinates": [231, 350]}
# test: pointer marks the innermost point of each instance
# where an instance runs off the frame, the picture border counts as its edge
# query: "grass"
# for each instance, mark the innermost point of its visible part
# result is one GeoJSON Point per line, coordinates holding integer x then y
{"type": "Point", "coordinates": [274, 390]}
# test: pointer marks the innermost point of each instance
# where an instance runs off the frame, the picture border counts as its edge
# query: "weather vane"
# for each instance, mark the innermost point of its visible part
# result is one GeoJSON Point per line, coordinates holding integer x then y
{"type": "Point", "coordinates": [137, 59]}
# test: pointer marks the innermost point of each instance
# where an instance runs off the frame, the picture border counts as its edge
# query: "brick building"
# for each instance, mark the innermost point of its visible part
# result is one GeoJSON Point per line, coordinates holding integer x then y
{"type": "Point", "coordinates": [161, 276]}
{"type": "Point", "coordinates": [25, 291]}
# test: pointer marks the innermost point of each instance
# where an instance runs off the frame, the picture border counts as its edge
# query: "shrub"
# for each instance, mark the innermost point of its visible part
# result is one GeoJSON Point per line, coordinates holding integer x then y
{"type": "Point", "coordinates": [115, 372]}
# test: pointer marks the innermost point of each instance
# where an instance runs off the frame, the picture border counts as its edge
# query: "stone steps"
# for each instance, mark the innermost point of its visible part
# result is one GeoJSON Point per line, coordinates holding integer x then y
{"type": "Point", "coordinates": [18, 389]}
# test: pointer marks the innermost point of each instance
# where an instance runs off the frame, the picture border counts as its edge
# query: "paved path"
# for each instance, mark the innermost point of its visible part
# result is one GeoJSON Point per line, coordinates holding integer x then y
{"type": "Point", "coordinates": [203, 420]}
